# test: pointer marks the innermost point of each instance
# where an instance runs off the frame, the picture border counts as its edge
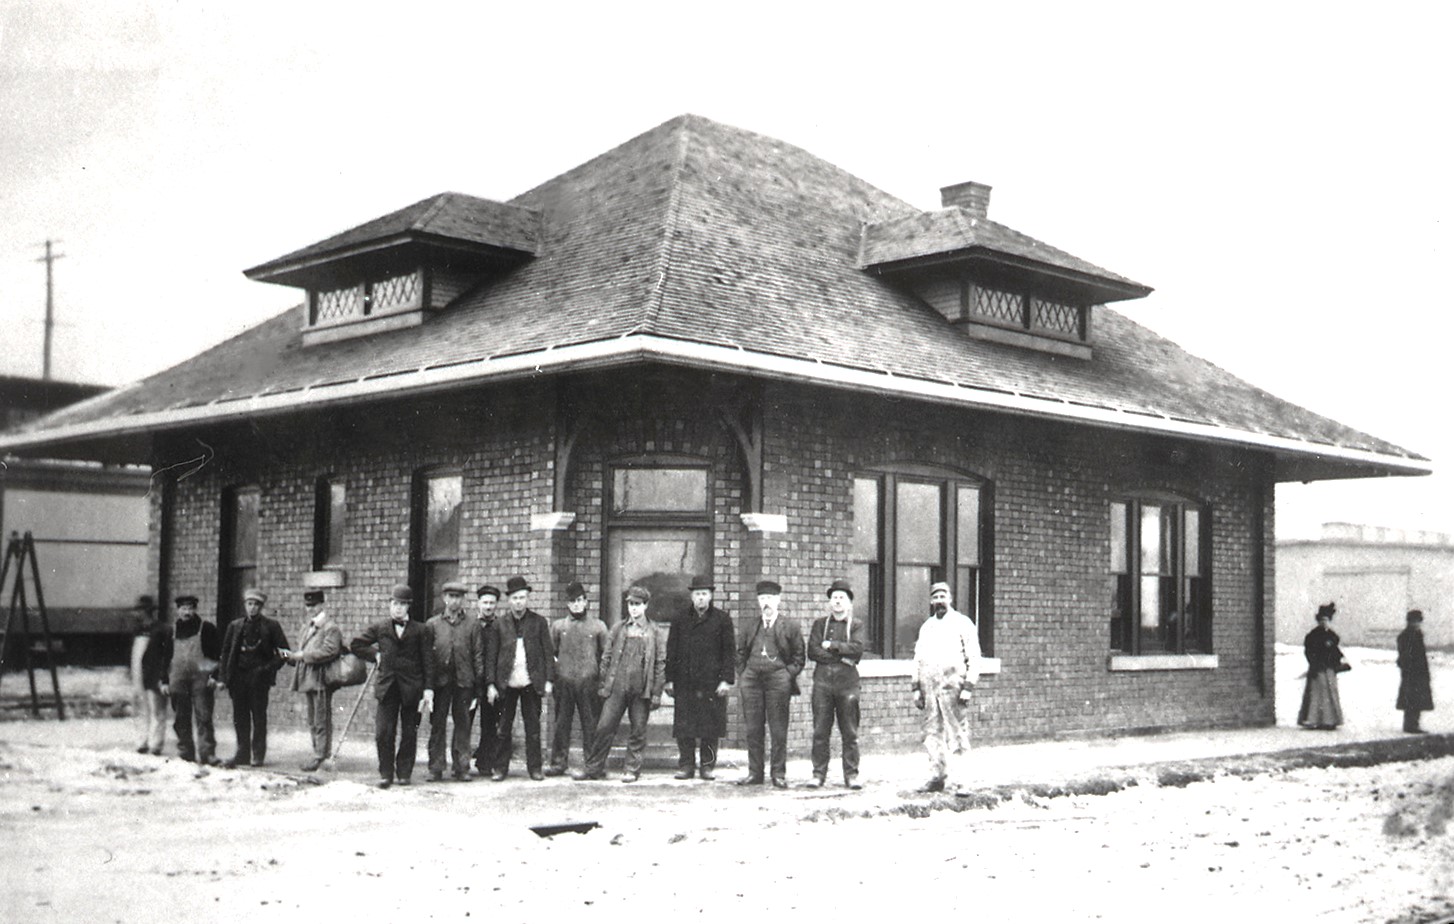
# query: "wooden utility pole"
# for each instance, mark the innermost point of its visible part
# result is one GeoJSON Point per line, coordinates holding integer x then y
{"type": "Point", "coordinates": [50, 315]}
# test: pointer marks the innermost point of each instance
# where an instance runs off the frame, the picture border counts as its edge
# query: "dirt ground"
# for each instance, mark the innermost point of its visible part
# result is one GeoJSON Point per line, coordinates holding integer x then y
{"type": "Point", "coordinates": [94, 832]}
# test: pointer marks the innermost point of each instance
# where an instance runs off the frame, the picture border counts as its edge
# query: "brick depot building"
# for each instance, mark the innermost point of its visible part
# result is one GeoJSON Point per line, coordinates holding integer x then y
{"type": "Point", "coordinates": [709, 351]}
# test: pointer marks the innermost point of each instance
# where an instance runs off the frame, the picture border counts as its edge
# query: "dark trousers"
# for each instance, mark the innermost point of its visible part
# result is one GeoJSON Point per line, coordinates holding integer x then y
{"type": "Point", "coordinates": [489, 735]}
{"type": "Point", "coordinates": [687, 753]}
{"type": "Point", "coordinates": [192, 702]}
{"type": "Point", "coordinates": [573, 699]}
{"type": "Point", "coordinates": [529, 703]}
{"type": "Point", "coordinates": [765, 694]}
{"type": "Point", "coordinates": [616, 705]}
{"type": "Point", "coordinates": [396, 711]}
{"type": "Point", "coordinates": [830, 704]}
{"type": "Point", "coordinates": [450, 701]}
{"type": "Point", "coordinates": [249, 692]}
{"type": "Point", "coordinates": [1411, 719]}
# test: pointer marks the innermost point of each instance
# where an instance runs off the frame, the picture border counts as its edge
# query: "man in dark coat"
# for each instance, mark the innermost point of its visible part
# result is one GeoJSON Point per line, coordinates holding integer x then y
{"type": "Point", "coordinates": [252, 652]}
{"type": "Point", "coordinates": [769, 658]}
{"type": "Point", "coordinates": [835, 644]}
{"type": "Point", "coordinates": [1415, 694]}
{"type": "Point", "coordinates": [397, 644]}
{"type": "Point", "coordinates": [454, 668]}
{"type": "Point", "coordinates": [519, 671]}
{"type": "Point", "coordinates": [700, 656]}
{"type": "Point", "coordinates": [488, 597]}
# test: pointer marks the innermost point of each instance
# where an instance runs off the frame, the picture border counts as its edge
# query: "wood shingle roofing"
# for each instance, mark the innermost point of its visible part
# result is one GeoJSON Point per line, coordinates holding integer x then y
{"type": "Point", "coordinates": [701, 244]}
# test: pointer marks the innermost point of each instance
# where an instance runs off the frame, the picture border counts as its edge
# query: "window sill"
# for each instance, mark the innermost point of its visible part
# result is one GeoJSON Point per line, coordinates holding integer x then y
{"type": "Point", "coordinates": [1190, 662]}
{"type": "Point", "coordinates": [883, 667]}
{"type": "Point", "coordinates": [319, 580]}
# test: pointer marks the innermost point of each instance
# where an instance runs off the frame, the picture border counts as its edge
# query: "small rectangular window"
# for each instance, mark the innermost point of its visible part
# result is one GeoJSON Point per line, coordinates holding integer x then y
{"type": "Point", "coordinates": [240, 515]}
{"type": "Point", "coordinates": [439, 505]}
{"type": "Point", "coordinates": [330, 511]}
{"type": "Point", "coordinates": [658, 490]}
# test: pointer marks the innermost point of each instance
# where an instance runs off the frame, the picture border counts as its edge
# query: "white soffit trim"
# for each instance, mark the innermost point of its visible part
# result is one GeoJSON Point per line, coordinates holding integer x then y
{"type": "Point", "coordinates": [638, 347]}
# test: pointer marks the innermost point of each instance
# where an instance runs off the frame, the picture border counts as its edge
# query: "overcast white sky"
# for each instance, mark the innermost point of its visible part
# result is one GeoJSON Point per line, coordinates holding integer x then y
{"type": "Point", "coordinates": [1280, 173]}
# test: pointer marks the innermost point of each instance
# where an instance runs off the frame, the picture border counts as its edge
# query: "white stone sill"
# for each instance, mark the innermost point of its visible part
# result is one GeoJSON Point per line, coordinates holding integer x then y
{"type": "Point", "coordinates": [1191, 662]}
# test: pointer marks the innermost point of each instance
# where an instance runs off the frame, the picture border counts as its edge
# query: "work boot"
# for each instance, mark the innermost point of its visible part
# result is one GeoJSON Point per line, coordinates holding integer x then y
{"type": "Point", "coordinates": [312, 765]}
{"type": "Point", "coordinates": [685, 773]}
{"type": "Point", "coordinates": [934, 785]}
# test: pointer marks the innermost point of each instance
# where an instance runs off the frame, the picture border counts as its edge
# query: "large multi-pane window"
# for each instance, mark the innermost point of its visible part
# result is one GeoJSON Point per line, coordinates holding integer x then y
{"type": "Point", "coordinates": [659, 533]}
{"type": "Point", "coordinates": [438, 500]}
{"type": "Point", "coordinates": [1160, 596]}
{"type": "Point", "coordinates": [330, 510]}
{"type": "Point", "coordinates": [239, 549]}
{"type": "Point", "coordinates": [911, 529]}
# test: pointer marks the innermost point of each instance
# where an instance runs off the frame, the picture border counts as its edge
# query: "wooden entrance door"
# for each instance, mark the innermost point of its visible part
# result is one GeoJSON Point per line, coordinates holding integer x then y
{"type": "Point", "coordinates": [661, 559]}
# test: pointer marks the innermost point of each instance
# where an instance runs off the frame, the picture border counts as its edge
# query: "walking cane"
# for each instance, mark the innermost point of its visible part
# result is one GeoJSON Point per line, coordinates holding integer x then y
{"type": "Point", "coordinates": [353, 712]}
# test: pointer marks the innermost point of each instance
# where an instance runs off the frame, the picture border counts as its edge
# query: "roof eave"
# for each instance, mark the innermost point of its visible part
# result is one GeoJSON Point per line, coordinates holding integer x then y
{"type": "Point", "coordinates": [308, 271]}
{"type": "Point", "coordinates": [1105, 289]}
{"type": "Point", "coordinates": [1295, 459]}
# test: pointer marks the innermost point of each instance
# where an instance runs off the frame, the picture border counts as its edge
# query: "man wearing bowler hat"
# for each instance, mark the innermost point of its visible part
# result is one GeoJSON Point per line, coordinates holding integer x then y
{"type": "Point", "coordinates": [700, 656]}
{"type": "Point", "coordinates": [835, 644]}
{"type": "Point", "coordinates": [253, 648]}
{"type": "Point", "coordinates": [769, 658]}
{"type": "Point", "coordinates": [396, 643]}
{"type": "Point", "coordinates": [519, 669]}
{"type": "Point", "coordinates": [454, 668]}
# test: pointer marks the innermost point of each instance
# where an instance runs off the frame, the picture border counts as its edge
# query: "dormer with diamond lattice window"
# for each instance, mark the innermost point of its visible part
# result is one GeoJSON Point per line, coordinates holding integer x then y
{"type": "Point", "coordinates": [991, 281]}
{"type": "Point", "coordinates": [394, 271]}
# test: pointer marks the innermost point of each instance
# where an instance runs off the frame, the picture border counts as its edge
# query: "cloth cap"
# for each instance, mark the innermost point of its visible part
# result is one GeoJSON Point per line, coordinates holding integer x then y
{"type": "Point", "coordinates": [488, 590]}
{"type": "Point", "coordinates": [637, 592]}
{"type": "Point", "coordinates": [185, 600]}
{"type": "Point", "coordinates": [1416, 616]}
{"type": "Point", "coordinates": [403, 593]}
{"type": "Point", "coordinates": [575, 589]}
{"type": "Point", "coordinates": [842, 585]}
{"type": "Point", "coordinates": [769, 587]}
{"type": "Point", "coordinates": [516, 584]}
{"type": "Point", "coordinates": [145, 602]}
{"type": "Point", "coordinates": [1327, 609]}
{"type": "Point", "coordinates": [938, 586]}
{"type": "Point", "coordinates": [312, 597]}
{"type": "Point", "coordinates": [702, 582]}
{"type": "Point", "coordinates": [252, 593]}
{"type": "Point", "coordinates": [454, 587]}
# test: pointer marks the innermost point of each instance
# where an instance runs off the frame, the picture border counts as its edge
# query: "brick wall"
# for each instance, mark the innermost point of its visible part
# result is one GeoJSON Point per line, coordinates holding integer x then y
{"type": "Point", "coordinates": [1052, 486]}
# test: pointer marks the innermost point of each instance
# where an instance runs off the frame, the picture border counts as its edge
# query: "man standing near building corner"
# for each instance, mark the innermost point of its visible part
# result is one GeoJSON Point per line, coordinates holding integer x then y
{"type": "Point", "coordinates": [835, 644]}
{"type": "Point", "coordinates": [946, 668]}
{"type": "Point", "coordinates": [700, 656]}
{"type": "Point", "coordinates": [769, 659]}
{"type": "Point", "coordinates": [397, 645]}
{"type": "Point", "coordinates": [488, 597]}
{"type": "Point", "coordinates": [454, 668]}
{"type": "Point", "coordinates": [253, 649]}
{"type": "Point", "coordinates": [519, 669]}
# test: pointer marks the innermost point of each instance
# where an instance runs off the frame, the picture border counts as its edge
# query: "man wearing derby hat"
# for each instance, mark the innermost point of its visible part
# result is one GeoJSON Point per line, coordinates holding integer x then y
{"type": "Point", "coordinates": [454, 668]}
{"type": "Point", "coordinates": [835, 645]}
{"type": "Point", "coordinates": [188, 660]}
{"type": "Point", "coordinates": [253, 649]}
{"type": "Point", "coordinates": [946, 668]}
{"type": "Point", "coordinates": [487, 598]}
{"type": "Point", "coordinates": [700, 655]}
{"type": "Point", "coordinates": [769, 658]}
{"type": "Point", "coordinates": [322, 643]}
{"type": "Point", "coordinates": [519, 669]}
{"type": "Point", "coordinates": [397, 644]}
{"type": "Point", "coordinates": [579, 640]}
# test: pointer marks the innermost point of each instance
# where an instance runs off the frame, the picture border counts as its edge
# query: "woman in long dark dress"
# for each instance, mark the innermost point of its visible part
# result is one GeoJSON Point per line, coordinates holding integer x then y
{"type": "Point", "coordinates": [1414, 692]}
{"type": "Point", "coordinates": [1321, 707]}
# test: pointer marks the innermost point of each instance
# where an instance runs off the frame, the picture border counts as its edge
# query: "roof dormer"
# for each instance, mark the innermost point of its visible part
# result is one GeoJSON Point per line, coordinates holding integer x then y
{"type": "Point", "coordinates": [993, 282]}
{"type": "Point", "coordinates": [394, 271]}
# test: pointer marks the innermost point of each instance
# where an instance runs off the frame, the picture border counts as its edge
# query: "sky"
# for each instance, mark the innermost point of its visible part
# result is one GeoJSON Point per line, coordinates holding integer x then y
{"type": "Point", "coordinates": [1278, 172]}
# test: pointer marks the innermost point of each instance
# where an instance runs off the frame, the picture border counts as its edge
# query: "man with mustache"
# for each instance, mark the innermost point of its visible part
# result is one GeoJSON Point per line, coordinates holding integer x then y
{"type": "Point", "coordinates": [946, 668]}
{"type": "Point", "coordinates": [769, 658]}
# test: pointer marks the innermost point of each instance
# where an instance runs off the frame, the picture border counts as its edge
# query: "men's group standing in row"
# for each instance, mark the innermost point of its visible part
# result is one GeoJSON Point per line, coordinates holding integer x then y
{"type": "Point", "coordinates": [509, 659]}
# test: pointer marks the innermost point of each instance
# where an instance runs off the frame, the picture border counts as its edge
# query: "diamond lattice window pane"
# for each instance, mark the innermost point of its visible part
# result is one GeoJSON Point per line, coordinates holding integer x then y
{"type": "Point", "coordinates": [396, 292]}
{"type": "Point", "coordinates": [1053, 316]}
{"type": "Point", "coordinates": [1000, 306]}
{"type": "Point", "coordinates": [336, 304]}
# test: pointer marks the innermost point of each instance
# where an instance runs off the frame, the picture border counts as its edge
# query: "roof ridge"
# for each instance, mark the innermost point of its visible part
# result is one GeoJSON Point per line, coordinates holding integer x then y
{"type": "Point", "coordinates": [422, 222]}
{"type": "Point", "coordinates": [669, 226]}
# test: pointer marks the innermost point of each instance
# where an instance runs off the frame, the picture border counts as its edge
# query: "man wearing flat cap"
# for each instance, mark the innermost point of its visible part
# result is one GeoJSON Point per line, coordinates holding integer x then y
{"type": "Point", "coordinates": [769, 658]}
{"type": "Point", "coordinates": [487, 598]}
{"type": "Point", "coordinates": [835, 645]}
{"type": "Point", "coordinates": [253, 649]}
{"type": "Point", "coordinates": [633, 675]}
{"type": "Point", "coordinates": [397, 644]}
{"type": "Point", "coordinates": [946, 668]}
{"type": "Point", "coordinates": [322, 643]}
{"type": "Point", "coordinates": [454, 668]}
{"type": "Point", "coordinates": [700, 669]}
{"type": "Point", "coordinates": [579, 640]}
{"type": "Point", "coordinates": [519, 669]}
{"type": "Point", "coordinates": [189, 656]}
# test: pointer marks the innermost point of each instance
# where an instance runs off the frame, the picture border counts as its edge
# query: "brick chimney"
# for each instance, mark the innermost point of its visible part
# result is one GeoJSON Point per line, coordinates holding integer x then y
{"type": "Point", "coordinates": [973, 197]}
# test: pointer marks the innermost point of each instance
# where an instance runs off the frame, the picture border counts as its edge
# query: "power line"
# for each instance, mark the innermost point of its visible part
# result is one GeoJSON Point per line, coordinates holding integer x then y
{"type": "Point", "coordinates": [50, 319]}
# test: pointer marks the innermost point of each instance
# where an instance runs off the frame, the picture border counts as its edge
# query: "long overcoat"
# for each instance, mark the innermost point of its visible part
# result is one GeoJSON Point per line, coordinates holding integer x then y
{"type": "Point", "coordinates": [1414, 691]}
{"type": "Point", "coordinates": [700, 652]}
